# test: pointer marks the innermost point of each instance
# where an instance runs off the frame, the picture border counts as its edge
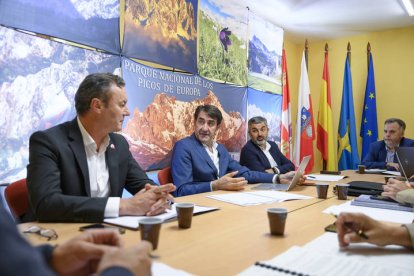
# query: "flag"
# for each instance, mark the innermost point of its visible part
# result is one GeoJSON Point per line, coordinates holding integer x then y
{"type": "Point", "coordinates": [369, 125]}
{"type": "Point", "coordinates": [286, 128]}
{"type": "Point", "coordinates": [325, 139]}
{"type": "Point", "coordinates": [347, 143]}
{"type": "Point", "coordinates": [304, 124]}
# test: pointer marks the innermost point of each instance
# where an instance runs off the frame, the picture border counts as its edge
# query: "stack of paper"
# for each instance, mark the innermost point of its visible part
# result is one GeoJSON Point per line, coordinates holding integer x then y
{"type": "Point", "coordinates": [323, 256]}
{"type": "Point", "coordinates": [368, 201]}
{"type": "Point", "coordinates": [256, 198]}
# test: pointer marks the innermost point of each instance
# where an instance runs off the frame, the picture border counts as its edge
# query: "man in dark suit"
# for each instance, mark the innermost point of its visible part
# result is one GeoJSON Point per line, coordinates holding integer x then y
{"type": "Point", "coordinates": [262, 155]}
{"type": "Point", "coordinates": [93, 251]}
{"type": "Point", "coordinates": [381, 154]}
{"type": "Point", "coordinates": [199, 164]}
{"type": "Point", "coordinates": [78, 170]}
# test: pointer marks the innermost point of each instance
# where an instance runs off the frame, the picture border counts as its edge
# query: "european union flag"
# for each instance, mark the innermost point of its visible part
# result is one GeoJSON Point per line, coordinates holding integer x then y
{"type": "Point", "coordinates": [369, 124]}
{"type": "Point", "coordinates": [347, 142]}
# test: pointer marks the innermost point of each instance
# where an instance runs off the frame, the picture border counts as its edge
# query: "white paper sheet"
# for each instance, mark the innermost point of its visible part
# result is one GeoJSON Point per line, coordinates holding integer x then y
{"type": "Point", "coordinates": [160, 269]}
{"type": "Point", "coordinates": [256, 198]}
{"type": "Point", "coordinates": [392, 173]}
{"type": "Point", "coordinates": [324, 177]}
{"type": "Point", "coordinates": [375, 213]}
{"type": "Point", "coordinates": [375, 170]}
{"type": "Point", "coordinates": [323, 256]}
{"type": "Point", "coordinates": [133, 221]}
{"type": "Point", "coordinates": [398, 256]}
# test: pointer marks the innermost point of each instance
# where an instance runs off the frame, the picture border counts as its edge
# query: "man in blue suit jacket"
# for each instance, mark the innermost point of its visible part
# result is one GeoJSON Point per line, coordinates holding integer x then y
{"type": "Point", "coordinates": [77, 170]}
{"type": "Point", "coordinates": [94, 251]}
{"type": "Point", "coordinates": [262, 155]}
{"type": "Point", "coordinates": [381, 154]}
{"type": "Point", "coordinates": [200, 165]}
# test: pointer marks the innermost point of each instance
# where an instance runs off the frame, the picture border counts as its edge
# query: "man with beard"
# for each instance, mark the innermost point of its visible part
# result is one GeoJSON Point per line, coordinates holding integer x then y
{"type": "Point", "coordinates": [381, 154]}
{"type": "Point", "coordinates": [199, 164]}
{"type": "Point", "coordinates": [262, 155]}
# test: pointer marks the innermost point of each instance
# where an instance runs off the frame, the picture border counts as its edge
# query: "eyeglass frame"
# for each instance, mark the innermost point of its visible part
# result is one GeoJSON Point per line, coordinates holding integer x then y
{"type": "Point", "coordinates": [50, 234]}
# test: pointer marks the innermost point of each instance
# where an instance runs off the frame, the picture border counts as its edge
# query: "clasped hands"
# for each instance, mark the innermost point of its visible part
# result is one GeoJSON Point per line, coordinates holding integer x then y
{"type": "Point", "coordinates": [394, 186]}
{"type": "Point", "coordinates": [150, 201]}
{"type": "Point", "coordinates": [97, 250]}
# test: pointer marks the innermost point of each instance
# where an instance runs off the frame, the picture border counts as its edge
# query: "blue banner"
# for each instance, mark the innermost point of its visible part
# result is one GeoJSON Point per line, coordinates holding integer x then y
{"type": "Point", "coordinates": [369, 123]}
{"type": "Point", "coordinates": [91, 23]}
{"type": "Point", "coordinates": [162, 105]}
{"type": "Point", "coordinates": [347, 143]}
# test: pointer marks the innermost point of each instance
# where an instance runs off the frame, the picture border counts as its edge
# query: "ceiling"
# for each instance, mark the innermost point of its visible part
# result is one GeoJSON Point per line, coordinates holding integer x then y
{"type": "Point", "coordinates": [319, 20]}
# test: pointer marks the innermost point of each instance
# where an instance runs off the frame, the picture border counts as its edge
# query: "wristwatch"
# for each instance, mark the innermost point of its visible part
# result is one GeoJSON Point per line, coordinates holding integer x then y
{"type": "Point", "coordinates": [276, 170]}
{"type": "Point", "coordinates": [278, 178]}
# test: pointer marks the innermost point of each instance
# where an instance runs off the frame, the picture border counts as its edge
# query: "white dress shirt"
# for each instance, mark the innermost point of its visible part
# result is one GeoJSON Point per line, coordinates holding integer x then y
{"type": "Point", "coordinates": [266, 151]}
{"type": "Point", "coordinates": [98, 172]}
{"type": "Point", "coordinates": [215, 158]}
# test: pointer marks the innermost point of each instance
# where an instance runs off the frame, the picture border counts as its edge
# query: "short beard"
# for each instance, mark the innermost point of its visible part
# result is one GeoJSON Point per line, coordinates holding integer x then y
{"type": "Point", "coordinates": [260, 143]}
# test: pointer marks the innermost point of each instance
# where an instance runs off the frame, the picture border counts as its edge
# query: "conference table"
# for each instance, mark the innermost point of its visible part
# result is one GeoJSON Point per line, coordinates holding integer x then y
{"type": "Point", "coordinates": [228, 240]}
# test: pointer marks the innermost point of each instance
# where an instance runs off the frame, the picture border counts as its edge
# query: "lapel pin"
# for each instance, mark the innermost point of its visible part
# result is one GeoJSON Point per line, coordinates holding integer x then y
{"type": "Point", "coordinates": [112, 146]}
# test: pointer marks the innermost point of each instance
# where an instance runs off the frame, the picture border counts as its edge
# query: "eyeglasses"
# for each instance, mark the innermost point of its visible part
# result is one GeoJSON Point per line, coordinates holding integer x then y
{"type": "Point", "coordinates": [50, 234]}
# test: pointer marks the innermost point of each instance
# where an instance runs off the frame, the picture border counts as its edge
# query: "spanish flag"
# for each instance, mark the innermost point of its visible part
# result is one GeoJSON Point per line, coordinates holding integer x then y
{"type": "Point", "coordinates": [325, 139]}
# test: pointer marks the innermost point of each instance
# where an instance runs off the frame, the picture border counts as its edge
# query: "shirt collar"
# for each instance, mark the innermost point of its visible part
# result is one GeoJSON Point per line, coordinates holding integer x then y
{"type": "Point", "coordinates": [88, 140]}
{"type": "Point", "coordinates": [214, 145]}
{"type": "Point", "coordinates": [267, 148]}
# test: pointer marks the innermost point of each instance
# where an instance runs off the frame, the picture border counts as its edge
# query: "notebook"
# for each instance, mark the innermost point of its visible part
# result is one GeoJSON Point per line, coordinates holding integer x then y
{"type": "Point", "coordinates": [370, 201]}
{"type": "Point", "coordinates": [286, 187]}
{"type": "Point", "coordinates": [405, 157]}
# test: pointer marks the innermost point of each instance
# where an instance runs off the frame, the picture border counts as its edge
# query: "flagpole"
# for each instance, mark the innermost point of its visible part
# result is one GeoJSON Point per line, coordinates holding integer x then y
{"type": "Point", "coordinates": [324, 164]}
{"type": "Point", "coordinates": [306, 53]}
{"type": "Point", "coordinates": [348, 54]}
{"type": "Point", "coordinates": [368, 53]}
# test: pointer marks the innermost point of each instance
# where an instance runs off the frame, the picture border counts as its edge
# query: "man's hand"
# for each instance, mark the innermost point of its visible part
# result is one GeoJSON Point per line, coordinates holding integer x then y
{"type": "Point", "coordinates": [393, 187]}
{"type": "Point", "coordinates": [393, 165]}
{"type": "Point", "coordinates": [377, 232]}
{"type": "Point", "coordinates": [287, 177]}
{"type": "Point", "coordinates": [80, 255]}
{"type": "Point", "coordinates": [229, 183]}
{"type": "Point", "coordinates": [136, 259]}
{"type": "Point", "coordinates": [150, 201]}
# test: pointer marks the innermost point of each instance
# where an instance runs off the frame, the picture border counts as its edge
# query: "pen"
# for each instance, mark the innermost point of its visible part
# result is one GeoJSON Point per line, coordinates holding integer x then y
{"type": "Point", "coordinates": [311, 177]}
{"type": "Point", "coordinates": [350, 226]}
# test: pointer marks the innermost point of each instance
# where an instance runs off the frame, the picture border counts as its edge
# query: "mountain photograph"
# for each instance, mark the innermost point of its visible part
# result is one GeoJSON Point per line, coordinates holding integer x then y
{"type": "Point", "coordinates": [265, 56]}
{"type": "Point", "coordinates": [153, 132]}
{"type": "Point", "coordinates": [93, 23]}
{"type": "Point", "coordinates": [38, 82]}
{"type": "Point", "coordinates": [162, 31]}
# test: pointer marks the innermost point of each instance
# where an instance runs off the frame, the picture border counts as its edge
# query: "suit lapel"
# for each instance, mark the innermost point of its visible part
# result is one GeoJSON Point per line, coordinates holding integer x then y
{"type": "Point", "coordinates": [223, 165]}
{"type": "Point", "coordinates": [262, 155]}
{"type": "Point", "coordinates": [76, 144]}
{"type": "Point", "coordinates": [111, 162]}
{"type": "Point", "coordinates": [203, 153]}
